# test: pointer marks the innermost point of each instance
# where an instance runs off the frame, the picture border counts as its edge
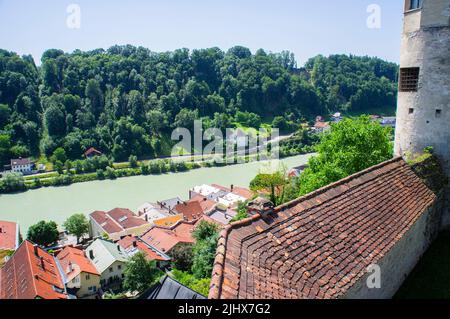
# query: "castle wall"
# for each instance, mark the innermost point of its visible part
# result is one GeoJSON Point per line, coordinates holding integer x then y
{"type": "Point", "coordinates": [398, 263]}
{"type": "Point", "coordinates": [423, 117]}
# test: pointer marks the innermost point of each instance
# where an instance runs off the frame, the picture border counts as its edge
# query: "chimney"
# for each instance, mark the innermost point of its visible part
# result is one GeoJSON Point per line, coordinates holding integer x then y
{"type": "Point", "coordinates": [118, 248]}
{"type": "Point", "coordinates": [36, 250]}
{"type": "Point", "coordinates": [70, 267]}
{"type": "Point", "coordinates": [42, 263]}
{"type": "Point", "coordinates": [1, 230]}
{"type": "Point", "coordinates": [135, 244]}
{"type": "Point", "coordinates": [91, 254]}
{"type": "Point", "coordinates": [146, 218]}
{"type": "Point", "coordinates": [261, 206]}
{"type": "Point", "coordinates": [232, 187]}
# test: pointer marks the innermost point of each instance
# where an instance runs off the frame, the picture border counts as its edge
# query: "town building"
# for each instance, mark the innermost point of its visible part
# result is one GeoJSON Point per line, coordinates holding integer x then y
{"type": "Point", "coordinates": [388, 121]}
{"type": "Point", "coordinates": [133, 245]}
{"type": "Point", "coordinates": [296, 171]}
{"type": "Point", "coordinates": [169, 221]}
{"type": "Point", "coordinates": [324, 245]}
{"type": "Point", "coordinates": [321, 127]}
{"type": "Point", "coordinates": [151, 212]}
{"type": "Point", "coordinates": [110, 260]}
{"type": "Point", "coordinates": [191, 211]}
{"type": "Point", "coordinates": [9, 235]}
{"type": "Point", "coordinates": [80, 276]}
{"type": "Point", "coordinates": [22, 165]}
{"type": "Point", "coordinates": [222, 217]}
{"type": "Point", "coordinates": [228, 197]}
{"type": "Point", "coordinates": [116, 223]}
{"type": "Point", "coordinates": [165, 239]}
{"type": "Point", "coordinates": [169, 204]}
{"type": "Point", "coordinates": [32, 273]}
{"type": "Point", "coordinates": [170, 289]}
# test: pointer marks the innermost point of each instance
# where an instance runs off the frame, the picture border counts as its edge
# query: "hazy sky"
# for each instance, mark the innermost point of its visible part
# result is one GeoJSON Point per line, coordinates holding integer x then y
{"type": "Point", "coordinates": [306, 28]}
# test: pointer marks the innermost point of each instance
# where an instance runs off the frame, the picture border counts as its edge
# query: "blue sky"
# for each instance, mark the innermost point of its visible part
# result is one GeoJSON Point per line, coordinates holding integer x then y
{"type": "Point", "coordinates": [306, 28]}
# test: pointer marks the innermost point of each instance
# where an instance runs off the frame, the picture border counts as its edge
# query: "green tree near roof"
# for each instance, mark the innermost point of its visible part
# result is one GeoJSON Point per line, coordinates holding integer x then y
{"type": "Point", "coordinates": [77, 225]}
{"type": "Point", "coordinates": [351, 146]}
{"type": "Point", "coordinates": [140, 273]}
{"type": "Point", "coordinates": [43, 233]}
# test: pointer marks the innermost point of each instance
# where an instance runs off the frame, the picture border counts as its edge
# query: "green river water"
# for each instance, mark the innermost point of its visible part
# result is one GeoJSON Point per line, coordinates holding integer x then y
{"type": "Point", "coordinates": [58, 203]}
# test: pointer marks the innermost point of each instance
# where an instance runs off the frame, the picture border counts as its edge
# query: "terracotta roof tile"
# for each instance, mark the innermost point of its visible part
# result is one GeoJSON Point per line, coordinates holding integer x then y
{"type": "Point", "coordinates": [31, 273]}
{"type": "Point", "coordinates": [319, 245]}
{"type": "Point", "coordinates": [164, 239]}
{"type": "Point", "coordinates": [129, 243]}
{"type": "Point", "coordinates": [73, 262]}
{"type": "Point", "coordinates": [9, 235]}
{"type": "Point", "coordinates": [117, 220]}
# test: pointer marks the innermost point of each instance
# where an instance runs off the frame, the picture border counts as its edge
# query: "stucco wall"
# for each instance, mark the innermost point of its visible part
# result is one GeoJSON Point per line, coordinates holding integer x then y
{"type": "Point", "coordinates": [429, 50]}
{"type": "Point", "coordinates": [402, 258]}
{"type": "Point", "coordinates": [436, 13]}
{"type": "Point", "coordinates": [106, 275]}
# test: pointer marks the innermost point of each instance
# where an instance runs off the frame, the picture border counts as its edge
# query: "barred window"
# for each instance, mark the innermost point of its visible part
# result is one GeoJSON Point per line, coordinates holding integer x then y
{"type": "Point", "coordinates": [415, 4]}
{"type": "Point", "coordinates": [409, 79]}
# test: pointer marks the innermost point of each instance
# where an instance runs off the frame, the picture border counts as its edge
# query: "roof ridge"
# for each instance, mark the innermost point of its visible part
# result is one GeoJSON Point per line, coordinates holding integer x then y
{"type": "Point", "coordinates": [219, 262]}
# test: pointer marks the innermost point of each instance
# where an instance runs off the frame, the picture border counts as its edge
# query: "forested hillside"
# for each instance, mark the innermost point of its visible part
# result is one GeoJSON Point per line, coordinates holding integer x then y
{"type": "Point", "coordinates": [126, 100]}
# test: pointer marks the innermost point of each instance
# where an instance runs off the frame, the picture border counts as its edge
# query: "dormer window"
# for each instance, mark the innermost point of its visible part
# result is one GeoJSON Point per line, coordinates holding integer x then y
{"type": "Point", "coordinates": [415, 4]}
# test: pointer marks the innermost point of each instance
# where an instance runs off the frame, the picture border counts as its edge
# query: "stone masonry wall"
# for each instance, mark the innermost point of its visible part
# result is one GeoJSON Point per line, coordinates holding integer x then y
{"type": "Point", "coordinates": [402, 258]}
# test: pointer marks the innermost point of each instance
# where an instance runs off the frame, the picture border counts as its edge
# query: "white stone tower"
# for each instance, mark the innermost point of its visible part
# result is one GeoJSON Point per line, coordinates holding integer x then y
{"type": "Point", "coordinates": [423, 114]}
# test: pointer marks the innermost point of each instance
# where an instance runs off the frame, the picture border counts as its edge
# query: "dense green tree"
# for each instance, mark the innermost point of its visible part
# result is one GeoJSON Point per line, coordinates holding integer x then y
{"type": "Point", "coordinates": [351, 146]}
{"type": "Point", "coordinates": [77, 225]}
{"type": "Point", "coordinates": [140, 273]}
{"type": "Point", "coordinates": [182, 257]}
{"type": "Point", "coordinates": [125, 99]}
{"type": "Point", "coordinates": [43, 233]}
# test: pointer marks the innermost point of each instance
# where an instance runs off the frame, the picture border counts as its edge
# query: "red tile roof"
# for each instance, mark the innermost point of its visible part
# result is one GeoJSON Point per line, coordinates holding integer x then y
{"type": "Point", "coordinates": [319, 245]}
{"type": "Point", "coordinates": [191, 211]}
{"type": "Point", "coordinates": [207, 205]}
{"type": "Point", "coordinates": [92, 151]}
{"type": "Point", "coordinates": [130, 242]}
{"type": "Point", "coordinates": [31, 273]}
{"type": "Point", "coordinates": [73, 262]}
{"type": "Point", "coordinates": [165, 239]}
{"type": "Point", "coordinates": [117, 220]}
{"type": "Point", "coordinates": [9, 235]}
{"type": "Point", "coordinates": [321, 125]}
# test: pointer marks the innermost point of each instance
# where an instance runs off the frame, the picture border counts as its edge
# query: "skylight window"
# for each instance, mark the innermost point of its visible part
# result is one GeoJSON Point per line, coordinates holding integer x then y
{"type": "Point", "coordinates": [124, 218]}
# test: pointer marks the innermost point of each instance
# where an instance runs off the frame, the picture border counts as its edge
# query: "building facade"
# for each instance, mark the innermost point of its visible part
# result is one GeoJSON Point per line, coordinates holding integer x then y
{"type": "Point", "coordinates": [423, 115]}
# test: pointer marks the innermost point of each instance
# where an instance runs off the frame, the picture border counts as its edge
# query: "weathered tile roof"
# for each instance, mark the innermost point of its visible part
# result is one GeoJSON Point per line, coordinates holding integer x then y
{"type": "Point", "coordinates": [319, 245]}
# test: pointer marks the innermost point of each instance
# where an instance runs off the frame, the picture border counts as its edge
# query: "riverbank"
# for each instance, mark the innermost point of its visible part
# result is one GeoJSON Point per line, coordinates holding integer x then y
{"type": "Point", "coordinates": [58, 203]}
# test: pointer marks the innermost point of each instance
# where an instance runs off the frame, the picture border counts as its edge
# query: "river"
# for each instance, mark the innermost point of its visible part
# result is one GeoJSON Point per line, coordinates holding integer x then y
{"type": "Point", "coordinates": [58, 203]}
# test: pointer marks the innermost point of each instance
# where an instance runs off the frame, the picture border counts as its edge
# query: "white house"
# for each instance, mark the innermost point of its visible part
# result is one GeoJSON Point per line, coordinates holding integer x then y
{"type": "Point", "coordinates": [151, 212]}
{"type": "Point", "coordinates": [109, 259]}
{"type": "Point", "coordinates": [22, 165]}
